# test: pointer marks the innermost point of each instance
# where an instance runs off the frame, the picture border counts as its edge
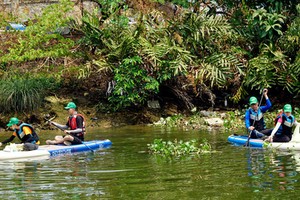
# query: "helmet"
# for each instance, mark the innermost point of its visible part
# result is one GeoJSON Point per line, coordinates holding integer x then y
{"type": "Point", "coordinates": [287, 108]}
{"type": "Point", "coordinates": [70, 105]}
{"type": "Point", "coordinates": [253, 100]}
{"type": "Point", "coordinates": [13, 121]}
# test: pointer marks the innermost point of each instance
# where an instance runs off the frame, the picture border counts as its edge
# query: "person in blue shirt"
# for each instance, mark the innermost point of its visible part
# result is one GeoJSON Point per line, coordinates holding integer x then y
{"type": "Point", "coordinates": [284, 124]}
{"type": "Point", "coordinates": [254, 117]}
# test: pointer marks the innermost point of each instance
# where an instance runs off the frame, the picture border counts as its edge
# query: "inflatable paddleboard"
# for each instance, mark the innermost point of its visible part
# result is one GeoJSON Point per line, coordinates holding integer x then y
{"type": "Point", "coordinates": [47, 151]}
{"type": "Point", "coordinates": [293, 145]}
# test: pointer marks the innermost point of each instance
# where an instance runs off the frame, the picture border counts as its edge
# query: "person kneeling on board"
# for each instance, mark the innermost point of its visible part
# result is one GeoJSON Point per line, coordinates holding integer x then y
{"type": "Point", "coordinates": [76, 124]}
{"type": "Point", "coordinates": [284, 124]}
{"type": "Point", "coordinates": [25, 132]}
{"type": "Point", "coordinates": [254, 117]}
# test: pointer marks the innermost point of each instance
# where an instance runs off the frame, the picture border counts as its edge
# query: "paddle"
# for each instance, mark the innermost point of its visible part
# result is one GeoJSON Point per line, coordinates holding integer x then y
{"type": "Point", "coordinates": [247, 143]}
{"type": "Point", "coordinates": [296, 134]}
{"type": "Point", "coordinates": [64, 130]}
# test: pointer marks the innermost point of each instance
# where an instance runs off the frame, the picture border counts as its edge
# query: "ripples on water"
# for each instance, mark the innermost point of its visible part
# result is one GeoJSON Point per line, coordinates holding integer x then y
{"type": "Point", "coordinates": [126, 171]}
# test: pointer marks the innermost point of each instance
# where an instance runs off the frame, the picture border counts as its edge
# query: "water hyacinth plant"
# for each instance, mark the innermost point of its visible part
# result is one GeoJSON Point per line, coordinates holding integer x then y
{"type": "Point", "coordinates": [178, 148]}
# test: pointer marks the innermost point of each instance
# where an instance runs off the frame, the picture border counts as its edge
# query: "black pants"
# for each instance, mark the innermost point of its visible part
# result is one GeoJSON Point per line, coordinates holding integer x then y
{"type": "Point", "coordinates": [281, 138]}
{"type": "Point", "coordinates": [259, 134]}
{"type": "Point", "coordinates": [30, 147]}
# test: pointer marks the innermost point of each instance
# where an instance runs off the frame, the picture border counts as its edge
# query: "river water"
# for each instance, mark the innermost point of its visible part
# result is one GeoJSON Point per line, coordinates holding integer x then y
{"type": "Point", "coordinates": [127, 171]}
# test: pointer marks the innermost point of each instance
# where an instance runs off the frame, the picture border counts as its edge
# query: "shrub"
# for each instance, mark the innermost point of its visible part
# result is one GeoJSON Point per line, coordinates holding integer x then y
{"type": "Point", "coordinates": [133, 83]}
{"type": "Point", "coordinates": [24, 94]}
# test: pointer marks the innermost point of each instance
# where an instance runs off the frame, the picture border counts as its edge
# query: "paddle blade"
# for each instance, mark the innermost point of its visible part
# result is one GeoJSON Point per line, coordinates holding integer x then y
{"type": "Point", "coordinates": [247, 144]}
{"type": "Point", "coordinates": [296, 134]}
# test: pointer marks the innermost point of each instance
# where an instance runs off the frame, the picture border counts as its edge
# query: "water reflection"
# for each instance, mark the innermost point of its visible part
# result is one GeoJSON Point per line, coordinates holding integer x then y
{"type": "Point", "coordinates": [68, 176]}
{"type": "Point", "coordinates": [272, 170]}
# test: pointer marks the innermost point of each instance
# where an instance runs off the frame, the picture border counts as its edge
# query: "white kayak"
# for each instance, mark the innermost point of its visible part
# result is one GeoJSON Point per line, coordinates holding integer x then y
{"type": "Point", "coordinates": [293, 145]}
{"type": "Point", "coordinates": [24, 155]}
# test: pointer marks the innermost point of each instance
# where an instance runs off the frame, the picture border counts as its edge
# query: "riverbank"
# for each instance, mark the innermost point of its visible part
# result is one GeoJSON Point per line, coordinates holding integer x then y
{"type": "Point", "coordinates": [170, 115]}
{"type": "Point", "coordinates": [167, 116]}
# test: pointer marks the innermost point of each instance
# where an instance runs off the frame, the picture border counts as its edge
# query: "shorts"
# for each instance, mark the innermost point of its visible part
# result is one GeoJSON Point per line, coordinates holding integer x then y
{"type": "Point", "coordinates": [76, 140]}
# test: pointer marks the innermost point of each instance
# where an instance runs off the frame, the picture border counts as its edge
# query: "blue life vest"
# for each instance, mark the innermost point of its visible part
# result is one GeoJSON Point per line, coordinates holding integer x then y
{"type": "Point", "coordinates": [258, 119]}
{"type": "Point", "coordinates": [286, 125]}
{"type": "Point", "coordinates": [30, 138]}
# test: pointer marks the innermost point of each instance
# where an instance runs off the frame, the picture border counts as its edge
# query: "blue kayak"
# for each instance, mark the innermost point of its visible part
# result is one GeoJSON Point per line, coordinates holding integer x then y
{"type": "Point", "coordinates": [240, 140]}
{"type": "Point", "coordinates": [293, 145]}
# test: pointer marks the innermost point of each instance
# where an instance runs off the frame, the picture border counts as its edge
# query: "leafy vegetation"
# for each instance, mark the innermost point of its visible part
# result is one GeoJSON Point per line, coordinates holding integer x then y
{"type": "Point", "coordinates": [42, 37]}
{"type": "Point", "coordinates": [133, 83]}
{"type": "Point", "coordinates": [198, 51]}
{"type": "Point", "coordinates": [178, 148]}
{"type": "Point", "coordinates": [24, 94]}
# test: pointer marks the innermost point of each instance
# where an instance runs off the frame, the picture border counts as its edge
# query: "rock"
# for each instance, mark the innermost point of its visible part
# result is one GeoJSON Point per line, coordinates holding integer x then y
{"type": "Point", "coordinates": [194, 110]}
{"type": "Point", "coordinates": [205, 113]}
{"type": "Point", "coordinates": [153, 104]}
{"type": "Point", "coordinates": [171, 110]}
{"type": "Point", "coordinates": [223, 115]}
{"type": "Point", "coordinates": [214, 121]}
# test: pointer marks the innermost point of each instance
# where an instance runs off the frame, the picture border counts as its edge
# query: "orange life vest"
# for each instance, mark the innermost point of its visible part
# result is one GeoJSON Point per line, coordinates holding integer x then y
{"type": "Point", "coordinates": [73, 123]}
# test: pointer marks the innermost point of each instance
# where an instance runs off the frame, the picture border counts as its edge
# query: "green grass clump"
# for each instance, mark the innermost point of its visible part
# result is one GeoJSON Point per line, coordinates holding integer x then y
{"type": "Point", "coordinates": [24, 94]}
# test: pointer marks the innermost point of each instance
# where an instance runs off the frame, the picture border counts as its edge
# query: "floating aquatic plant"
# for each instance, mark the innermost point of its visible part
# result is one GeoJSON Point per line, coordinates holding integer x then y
{"type": "Point", "coordinates": [178, 148]}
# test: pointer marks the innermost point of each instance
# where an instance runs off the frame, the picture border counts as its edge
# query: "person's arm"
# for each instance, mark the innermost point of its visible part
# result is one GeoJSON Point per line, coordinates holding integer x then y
{"type": "Point", "coordinates": [268, 102]}
{"type": "Point", "coordinates": [8, 140]}
{"type": "Point", "coordinates": [274, 131]}
{"type": "Point", "coordinates": [266, 107]}
{"type": "Point", "coordinates": [247, 119]}
{"type": "Point", "coordinates": [278, 124]}
{"type": "Point", "coordinates": [79, 122]}
{"type": "Point", "coordinates": [60, 126]}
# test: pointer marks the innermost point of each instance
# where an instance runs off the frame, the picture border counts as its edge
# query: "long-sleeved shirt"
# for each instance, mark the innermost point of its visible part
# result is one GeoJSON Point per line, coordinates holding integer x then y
{"type": "Point", "coordinates": [262, 109]}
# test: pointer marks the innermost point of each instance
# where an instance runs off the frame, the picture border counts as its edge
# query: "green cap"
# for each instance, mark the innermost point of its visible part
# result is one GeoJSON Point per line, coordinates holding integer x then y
{"type": "Point", "coordinates": [287, 108]}
{"type": "Point", "coordinates": [70, 105]}
{"type": "Point", "coordinates": [13, 121]}
{"type": "Point", "coordinates": [253, 100]}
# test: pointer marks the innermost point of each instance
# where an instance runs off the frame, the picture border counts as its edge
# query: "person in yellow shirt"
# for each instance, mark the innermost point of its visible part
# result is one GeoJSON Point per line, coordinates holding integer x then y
{"type": "Point", "coordinates": [25, 132]}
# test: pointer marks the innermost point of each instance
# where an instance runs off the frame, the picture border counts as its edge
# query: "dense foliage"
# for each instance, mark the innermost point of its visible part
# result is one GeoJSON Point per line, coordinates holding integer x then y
{"type": "Point", "coordinates": [198, 51]}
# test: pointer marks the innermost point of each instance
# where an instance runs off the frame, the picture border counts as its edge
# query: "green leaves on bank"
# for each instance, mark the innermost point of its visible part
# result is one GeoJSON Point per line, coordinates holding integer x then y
{"type": "Point", "coordinates": [133, 83]}
{"type": "Point", "coordinates": [42, 38]}
{"type": "Point", "coordinates": [196, 52]}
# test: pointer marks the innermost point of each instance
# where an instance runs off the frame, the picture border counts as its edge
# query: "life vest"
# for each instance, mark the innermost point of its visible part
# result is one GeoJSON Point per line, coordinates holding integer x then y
{"type": "Point", "coordinates": [73, 124]}
{"type": "Point", "coordinates": [31, 138]}
{"type": "Point", "coordinates": [257, 118]}
{"type": "Point", "coordinates": [286, 125]}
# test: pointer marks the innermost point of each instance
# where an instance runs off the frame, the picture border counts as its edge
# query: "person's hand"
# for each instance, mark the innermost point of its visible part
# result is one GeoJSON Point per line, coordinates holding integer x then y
{"type": "Point", "coordinates": [251, 128]}
{"type": "Point", "coordinates": [265, 91]}
{"type": "Point", "coordinates": [0, 144]}
{"type": "Point", "coordinates": [66, 132]}
{"type": "Point", "coordinates": [269, 139]}
{"type": "Point", "coordinates": [50, 123]}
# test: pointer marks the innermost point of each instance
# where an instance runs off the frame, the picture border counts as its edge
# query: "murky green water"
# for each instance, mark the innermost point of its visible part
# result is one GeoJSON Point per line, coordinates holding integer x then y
{"type": "Point", "coordinates": [125, 171]}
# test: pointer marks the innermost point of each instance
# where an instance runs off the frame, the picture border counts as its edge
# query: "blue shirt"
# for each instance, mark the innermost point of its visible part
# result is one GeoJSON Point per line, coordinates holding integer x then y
{"type": "Point", "coordinates": [262, 109]}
